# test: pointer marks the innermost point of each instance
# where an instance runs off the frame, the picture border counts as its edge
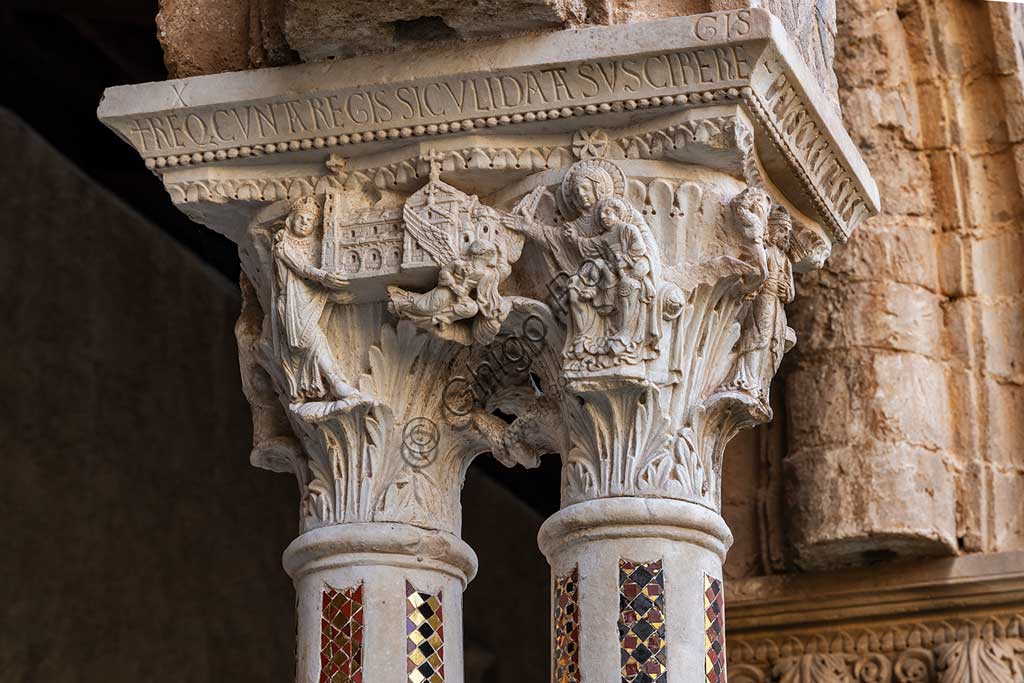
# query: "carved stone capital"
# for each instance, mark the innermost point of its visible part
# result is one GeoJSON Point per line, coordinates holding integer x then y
{"type": "Point", "coordinates": [578, 243]}
{"type": "Point", "coordinates": [641, 207]}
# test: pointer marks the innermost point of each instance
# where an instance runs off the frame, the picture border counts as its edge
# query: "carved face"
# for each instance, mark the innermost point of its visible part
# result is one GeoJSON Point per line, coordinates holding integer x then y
{"type": "Point", "coordinates": [611, 212]}
{"type": "Point", "coordinates": [751, 208]}
{"type": "Point", "coordinates": [482, 253]}
{"type": "Point", "coordinates": [673, 304]}
{"type": "Point", "coordinates": [779, 232]}
{"type": "Point", "coordinates": [585, 184]}
{"type": "Point", "coordinates": [586, 195]}
{"type": "Point", "coordinates": [301, 223]}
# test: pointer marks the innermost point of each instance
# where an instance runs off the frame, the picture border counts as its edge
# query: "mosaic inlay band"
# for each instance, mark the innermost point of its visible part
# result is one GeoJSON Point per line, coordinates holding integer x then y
{"type": "Point", "coordinates": [714, 630]}
{"type": "Point", "coordinates": [567, 628]}
{"type": "Point", "coordinates": [424, 628]}
{"type": "Point", "coordinates": [642, 622]}
{"type": "Point", "coordinates": [341, 635]}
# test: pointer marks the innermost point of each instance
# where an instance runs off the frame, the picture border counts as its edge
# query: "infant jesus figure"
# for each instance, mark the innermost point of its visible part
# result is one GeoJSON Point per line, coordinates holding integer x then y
{"type": "Point", "coordinates": [627, 242]}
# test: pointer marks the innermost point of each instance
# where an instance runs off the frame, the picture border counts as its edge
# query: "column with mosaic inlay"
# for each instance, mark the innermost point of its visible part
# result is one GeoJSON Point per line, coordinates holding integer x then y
{"type": "Point", "coordinates": [379, 602]}
{"type": "Point", "coordinates": [672, 325]}
{"type": "Point", "coordinates": [640, 573]}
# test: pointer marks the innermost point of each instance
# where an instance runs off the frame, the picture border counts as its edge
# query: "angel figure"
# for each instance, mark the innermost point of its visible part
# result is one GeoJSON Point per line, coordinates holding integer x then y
{"type": "Point", "coordinates": [449, 301]}
{"type": "Point", "coordinates": [470, 244]}
{"type": "Point", "coordinates": [301, 294]}
{"type": "Point", "coordinates": [467, 288]}
{"type": "Point", "coordinates": [766, 336]}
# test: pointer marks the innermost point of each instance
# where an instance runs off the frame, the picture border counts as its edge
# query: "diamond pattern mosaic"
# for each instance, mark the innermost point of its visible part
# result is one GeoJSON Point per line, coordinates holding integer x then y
{"type": "Point", "coordinates": [424, 628]}
{"type": "Point", "coordinates": [567, 628]}
{"type": "Point", "coordinates": [341, 635]}
{"type": "Point", "coordinates": [642, 622]}
{"type": "Point", "coordinates": [714, 630]}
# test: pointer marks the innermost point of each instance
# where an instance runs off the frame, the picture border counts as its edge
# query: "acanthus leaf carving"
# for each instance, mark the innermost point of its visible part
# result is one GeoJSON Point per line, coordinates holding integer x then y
{"type": "Point", "coordinates": [814, 668]}
{"type": "Point", "coordinates": [981, 660]}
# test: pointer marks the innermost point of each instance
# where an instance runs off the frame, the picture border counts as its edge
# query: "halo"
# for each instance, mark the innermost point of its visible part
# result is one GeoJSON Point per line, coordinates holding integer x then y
{"type": "Point", "coordinates": [613, 171]}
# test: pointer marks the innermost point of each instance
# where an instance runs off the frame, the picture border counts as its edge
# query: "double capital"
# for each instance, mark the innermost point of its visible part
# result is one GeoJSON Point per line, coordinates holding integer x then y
{"type": "Point", "coordinates": [438, 264]}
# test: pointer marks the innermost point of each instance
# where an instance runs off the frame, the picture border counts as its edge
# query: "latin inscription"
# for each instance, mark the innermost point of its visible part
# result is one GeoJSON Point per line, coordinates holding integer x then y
{"type": "Point", "coordinates": [481, 96]}
{"type": "Point", "coordinates": [731, 25]}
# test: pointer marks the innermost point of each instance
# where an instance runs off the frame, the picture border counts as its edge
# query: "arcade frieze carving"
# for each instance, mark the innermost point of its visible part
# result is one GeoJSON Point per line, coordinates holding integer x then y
{"type": "Point", "coordinates": [722, 141]}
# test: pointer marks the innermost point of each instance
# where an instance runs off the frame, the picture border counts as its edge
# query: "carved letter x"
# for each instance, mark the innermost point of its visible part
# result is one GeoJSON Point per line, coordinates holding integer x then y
{"type": "Point", "coordinates": [177, 92]}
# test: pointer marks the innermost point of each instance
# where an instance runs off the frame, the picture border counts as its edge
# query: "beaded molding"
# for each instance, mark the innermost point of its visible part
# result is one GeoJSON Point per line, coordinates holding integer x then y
{"type": "Point", "coordinates": [161, 162]}
{"type": "Point", "coordinates": [852, 214]}
{"type": "Point", "coordinates": [648, 145]}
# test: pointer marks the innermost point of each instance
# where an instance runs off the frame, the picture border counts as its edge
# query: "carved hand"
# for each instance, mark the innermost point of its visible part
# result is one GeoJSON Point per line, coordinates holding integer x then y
{"type": "Point", "coordinates": [527, 206]}
{"type": "Point", "coordinates": [522, 224]}
{"type": "Point", "coordinates": [334, 281]}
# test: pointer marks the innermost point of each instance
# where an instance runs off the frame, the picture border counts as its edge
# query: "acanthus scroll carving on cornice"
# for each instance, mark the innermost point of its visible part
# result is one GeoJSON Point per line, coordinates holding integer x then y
{"type": "Point", "coordinates": [955, 650]}
{"type": "Point", "coordinates": [979, 660]}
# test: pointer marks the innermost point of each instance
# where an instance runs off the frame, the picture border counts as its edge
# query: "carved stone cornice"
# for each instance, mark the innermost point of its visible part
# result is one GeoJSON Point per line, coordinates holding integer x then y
{"type": "Point", "coordinates": [943, 621]}
{"type": "Point", "coordinates": [976, 582]}
{"type": "Point", "coordinates": [597, 77]}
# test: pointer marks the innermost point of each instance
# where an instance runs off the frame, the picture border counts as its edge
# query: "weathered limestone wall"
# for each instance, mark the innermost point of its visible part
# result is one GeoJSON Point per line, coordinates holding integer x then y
{"type": "Point", "coordinates": [906, 409]}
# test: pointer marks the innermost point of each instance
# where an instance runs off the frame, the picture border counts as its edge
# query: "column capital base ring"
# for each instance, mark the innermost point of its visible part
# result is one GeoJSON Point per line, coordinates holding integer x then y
{"type": "Point", "coordinates": [635, 517]}
{"type": "Point", "coordinates": [370, 543]}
